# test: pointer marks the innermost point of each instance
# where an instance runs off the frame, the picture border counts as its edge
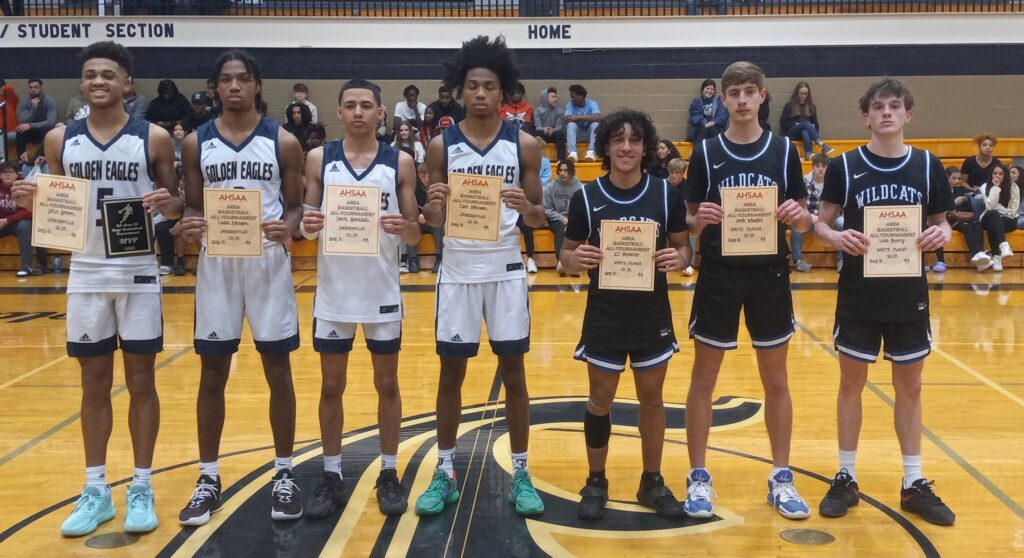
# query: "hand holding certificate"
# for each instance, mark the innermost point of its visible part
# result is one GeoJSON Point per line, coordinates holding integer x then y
{"type": "Point", "coordinates": [233, 218]}
{"type": "Point", "coordinates": [749, 227]}
{"type": "Point", "coordinates": [60, 212]}
{"type": "Point", "coordinates": [628, 260]}
{"type": "Point", "coordinates": [892, 232]}
{"type": "Point", "coordinates": [351, 220]}
{"type": "Point", "coordinates": [474, 207]}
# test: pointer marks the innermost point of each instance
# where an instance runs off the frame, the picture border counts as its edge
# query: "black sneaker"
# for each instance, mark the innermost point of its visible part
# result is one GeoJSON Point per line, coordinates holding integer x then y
{"type": "Point", "coordinates": [414, 265]}
{"type": "Point", "coordinates": [437, 265]}
{"type": "Point", "coordinates": [179, 269]}
{"type": "Point", "coordinates": [595, 497]}
{"type": "Point", "coordinates": [205, 502]}
{"type": "Point", "coordinates": [287, 504]}
{"type": "Point", "coordinates": [654, 494]}
{"type": "Point", "coordinates": [390, 494]}
{"type": "Point", "coordinates": [328, 498]}
{"type": "Point", "coordinates": [841, 496]}
{"type": "Point", "coordinates": [825, 148]}
{"type": "Point", "coordinates": [920, 499]}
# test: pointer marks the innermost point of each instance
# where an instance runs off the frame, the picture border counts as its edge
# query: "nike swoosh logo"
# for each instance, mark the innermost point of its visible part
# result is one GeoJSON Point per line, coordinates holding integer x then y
{"type": "Point", "coordinates": [600, 207]}
{"type": "Point", "coordinates": [719, 164]}
{"type": "Point", "coordinates": [856, 176]}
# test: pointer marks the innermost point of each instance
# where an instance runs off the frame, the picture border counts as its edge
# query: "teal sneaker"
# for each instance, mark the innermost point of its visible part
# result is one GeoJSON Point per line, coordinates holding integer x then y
{"type": "Point", "coordinates": [140, 517]}
{"type": "Point", "coordinates": [93, 507]}
{"type": "Point", "coordinates": [524, 495]}
{"type": "Point", "coordinates": [442, 491]}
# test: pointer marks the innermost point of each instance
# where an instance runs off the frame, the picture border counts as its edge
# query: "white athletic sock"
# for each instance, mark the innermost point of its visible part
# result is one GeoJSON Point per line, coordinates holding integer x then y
{"type": "Point", "coordinates": [848, 461]}
{"type": "Point", "coordinates": [96, 476]}
{"type": "Point", "coordinates": [388, 461]}
{"type": "Point", "coordinates": [141, 477]}
{"type": "Point", "coordinates": [211, 469]}
{"type": "Point", "coordinates": [911, 470]}
{"type": "Point", "coordinates": [518, 461]}
{"type": "Point", "coordinates": [775, 471]}
{"type": "Point", "coordinates": [332, 464]}
{"type": "Point", "coordinates": [446, 461]}
{"type": "Point", "coordinates": [282, 463]}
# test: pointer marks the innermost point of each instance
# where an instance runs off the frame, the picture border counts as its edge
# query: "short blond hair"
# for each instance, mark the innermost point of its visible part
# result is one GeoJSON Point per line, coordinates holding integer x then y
{"type": "Point", "coordinates": [676, 165]}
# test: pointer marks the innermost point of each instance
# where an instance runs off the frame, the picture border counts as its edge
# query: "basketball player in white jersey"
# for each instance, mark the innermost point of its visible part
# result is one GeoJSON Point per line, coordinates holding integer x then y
{"type": "Point", "coordinates": [113, 301]}
{"type": "Point", "coordinates": [484, 280]}
{"type": "Point", "coordinates": [353, 290]}
{"type": "Point", "coordinates": [241, 149]}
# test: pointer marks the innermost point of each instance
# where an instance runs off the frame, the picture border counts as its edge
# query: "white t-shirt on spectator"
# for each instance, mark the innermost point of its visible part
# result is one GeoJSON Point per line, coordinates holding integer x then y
{"type": "Point", "coordinates": [405, 112]}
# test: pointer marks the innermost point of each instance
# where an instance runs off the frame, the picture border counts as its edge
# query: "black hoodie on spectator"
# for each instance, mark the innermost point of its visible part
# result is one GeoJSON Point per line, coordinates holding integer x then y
{"type": "Point", "coordinates": [169, 106]}
{"type": "Point", "coordinates": [299, 131]}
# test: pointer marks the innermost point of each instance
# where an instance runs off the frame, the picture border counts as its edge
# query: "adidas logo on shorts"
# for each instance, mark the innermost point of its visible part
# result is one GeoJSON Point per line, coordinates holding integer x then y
{"type": "Point", "coordinates": [333, 335]}
{"type": "Point", "coordinates": [456, 338]}
{"type": "Point", "coordinates": [213, 336]}
{"type": "Point", "coordinates": [84, 338]}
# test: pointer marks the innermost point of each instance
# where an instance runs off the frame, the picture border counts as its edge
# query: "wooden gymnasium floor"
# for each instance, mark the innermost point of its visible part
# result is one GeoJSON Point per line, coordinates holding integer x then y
{"type": "Point", "coordinates": [973, 441]}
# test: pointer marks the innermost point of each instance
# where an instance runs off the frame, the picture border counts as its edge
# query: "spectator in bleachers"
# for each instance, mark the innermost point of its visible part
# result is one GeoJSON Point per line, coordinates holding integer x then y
{"type": "Point", "coordinates": [1002, 204]}
{"type": "Point", "coordinates": [169, 105]}
{"type": "Point", "coordinates": [300, 94]}
{"type": "Point", "coordinates": [317, 135]}
{"type": "Point", "coordinates": [427, 127]}
{"type": "Point", "coordinates": [708, 115]}
{"type": "Point", "coordinates": [134, 104]}
{"type": "Point", "coordinates": [976, 169]}
{"type": "Point", "coordinates": [17, 221]}
{"type": "Point", "coordinates": [581, 118]}
{"type": "Point", "coordinates": [443, 123]}
{"type": "Point", "coordinates": [76, 109]}
{"type": "Point", "coordinates": [412, 250]}
{"type": "Point", "coordinates": [666, 152]}
{"type": "Point", "coordinates": [37, 115]}
{"type": "Point", "coordinates": [814, 181]}
{"type": "Point", "coordinates": [199, 113]}
{"type": "Point", "coordinates": [799, 120]}
{"type": "Point", "coordinates": [298, 121]}
{"type": "Point", "coordinates": [406, 139]}
{"type": "Point", "coordinates": [9, 97]}
{"type": "Point", "coordinates": [549, 121]}
{"type": "Point", "coordinates": [545, 166]}
{"type": "Point", "coordinates": [213, 103]}
{"type": "Point", "coordinates": [411, 109]}
{"type": "Point", "coordinates": [556, 203]}
{"type": "Point", "coordinates": [953, 175]}
{"type": "Point", "coordinates": [445, 105]}
{"type": "Point", "coordinates": [764, 110]}
{"type": "Point", "coordinates": [962, 219]}
{"type": "Point", "coordinates": [1016, 172]}
{"type": "Point", "coordinates": [676, 168]}
{"type": "Point", "coordinates": [517, 110]}
{"type": "Point", "coordinates": [178, 133]}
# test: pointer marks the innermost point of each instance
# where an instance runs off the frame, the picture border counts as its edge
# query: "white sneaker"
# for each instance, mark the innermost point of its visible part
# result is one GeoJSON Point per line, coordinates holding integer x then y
{"type": "Point", "coordinates": [981, 261]}
{"type": "Point", "coordinates": [1004, 250]}
{"type": "Point", "coordinates": [403, 267]}
{"type": "Point", "coordinates": [165, 270]}
{"type": "Point", "coordinates": [573, 156]}
{"type": "Point", "coordinates": [997, 263]}
{"type": "Point", "coordinates": [531, 266]}
{"type": "Point", "coordinates": [590, 156]}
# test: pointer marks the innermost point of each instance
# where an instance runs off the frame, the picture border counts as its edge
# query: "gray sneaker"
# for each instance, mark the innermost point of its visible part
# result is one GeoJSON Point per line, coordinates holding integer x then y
{"type": "Point", "coordinates": [803, 267]}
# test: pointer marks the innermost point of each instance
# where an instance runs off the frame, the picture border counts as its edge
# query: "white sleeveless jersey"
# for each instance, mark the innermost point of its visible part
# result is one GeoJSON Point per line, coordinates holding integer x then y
{"type": "Point", "coordinates": [253, 165]}
{"type": "Point", "coordinates": [468, 261]}
{"type": "Point", "coordinates": [119, 169]}
{"type": "Point", "coordinates": [361, 289]}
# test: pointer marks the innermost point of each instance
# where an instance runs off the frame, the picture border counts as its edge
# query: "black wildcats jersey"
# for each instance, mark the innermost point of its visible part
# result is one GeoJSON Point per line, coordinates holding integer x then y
{"type": "Point", "coordinates": [718, 163]}
{"type": "Point", "coordinates": [860, 178]}
{"type": "Point", "coordinates": [626, 320]}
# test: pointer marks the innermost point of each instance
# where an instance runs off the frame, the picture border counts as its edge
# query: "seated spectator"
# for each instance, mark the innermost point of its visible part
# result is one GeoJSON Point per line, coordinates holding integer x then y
{"type": "Point", "coordinates": [800, 120]}
{"type": "Point", "coordinates": [411, 109]}
{"type": "Point", "coordinates": [427, 127]}
{"type": "Point", "coordinates": [976, 169]}
{"type": "Point", "coordinates": [213, 103]}
{"type": "Point", "coordinates": [814, 181]}
{"type": "Point", "coordinates": [545, 165]}
{"type": "Point", "coordinates": [549, 121]}
{"type": "Point", "coordinates": [1016, 172]}
{"type": "Point", "coordinates": [412, 250]}
{"type": "Point", "coordinates": [666, 152]}
{"type": "Point", "coordinates": [17, 221]}
{"type": "Point", "coordinates": [317, 135]}
{"type": "Point", "coordinates": [9, 98]}
{"type": "Point", "coordinates": [517, 111]}
{"type": "Point", "coordinates": [406, 139]}
{"type": "Point", "coordinates": [676, 169]}
{"type": "Point", "coordinates": [134, 104]}
{"type": "Point", "coordinates": [37, 115]}
{"type": "Point", "coordinates": [556, 203]}
{"type": "Point", "coordinates": [963, 220]}
{"type": "Point", "coordinates": [77, 109]}
{"type": "Point", "coordinates": [178, 133]}
{"type": "Point", "coordinates": [708, 115]}
{"type": "Point", "coordinates": [1002, 204]}
{"type": "Point", "coordinates": [300, 94]}
{"type": "Point", "coordinates": [445, 105]}
{"type": "Point", "coordinates": [199, 113]}
{"type": "Point", "coordinates": [297, 121]}
{"type": "Point", "coordinates": [443, 124]}
{"type": "Point", "coordinates": [169, 106]}
{"type": "Point", "coordinates": [581, 118]}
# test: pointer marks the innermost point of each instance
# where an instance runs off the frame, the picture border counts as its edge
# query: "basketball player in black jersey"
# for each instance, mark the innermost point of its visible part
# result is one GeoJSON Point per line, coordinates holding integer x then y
{"type": "Point", "coordinates": [621, 324]}
{"type": "Point", "coordinates": [744, 156]}
{"type": "Point", "coordinates": [869, 311]}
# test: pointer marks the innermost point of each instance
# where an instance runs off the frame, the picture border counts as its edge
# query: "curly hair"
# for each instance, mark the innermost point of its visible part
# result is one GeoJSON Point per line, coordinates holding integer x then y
{"type": "Point", "coordinates": [105, 49]}
{"type": "Point", "coordinates": [251, 66]}
{"type": "Point", "coordinates": [481, 52]}
{"type": "Point", "coordinates": [642, 127]}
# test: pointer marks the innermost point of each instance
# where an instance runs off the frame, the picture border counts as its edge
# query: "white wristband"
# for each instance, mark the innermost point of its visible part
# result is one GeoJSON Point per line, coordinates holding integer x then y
{"type": "Point", "coordinates": [308, 235]}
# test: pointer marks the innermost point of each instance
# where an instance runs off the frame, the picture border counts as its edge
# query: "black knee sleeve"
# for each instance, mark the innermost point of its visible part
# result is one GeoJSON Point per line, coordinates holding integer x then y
{"type": "Point", "coordinates": [597, 430]}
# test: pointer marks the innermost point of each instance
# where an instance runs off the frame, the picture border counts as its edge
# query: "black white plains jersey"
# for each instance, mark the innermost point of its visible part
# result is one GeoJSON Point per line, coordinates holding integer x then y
{"type": "Point", "coordinates": [860, 178]}
{"type": "Point", "coordinates": [361, 289]}
{"type": "Point", "coordinates": [255, 164]}
{"type": "Point", "coordinates": [469, 261]}
{"type": "Point", "coordinates": [718, 163]}
{"type": "Point", "coordinates": [118, 169]}
{"type": "Point", "coordinates": [626, 320]}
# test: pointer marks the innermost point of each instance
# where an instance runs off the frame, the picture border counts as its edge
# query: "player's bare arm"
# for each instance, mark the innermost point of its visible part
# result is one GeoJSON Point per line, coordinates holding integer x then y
{"type": "Point", "coordinates": [937, 235]}
{"type": "Point", "coordinates": [312, 218]}
{"type": "Point", "coordinates": [192, 225]}
{"type": "Point", "coordinates": [677, 255]}
{"type": "Point", "coordinates": [529, 200]}
{"type": "Point", "coordinates": [577, 256]}
{"type": "Point", "coordinates": [164, 198]}
{"type": "Point", "coordinates": [849, 241]}
{"type": "Point", "coordinates": [437, 191]}
{"type": "Point", "coordinates": [700, 215]}
{"type": "Point", "coordinates": [794, 213]}
{"type": "Point", "coordinates": [407, 224]}
{"type": "Point", "coordinates": [291, 188]}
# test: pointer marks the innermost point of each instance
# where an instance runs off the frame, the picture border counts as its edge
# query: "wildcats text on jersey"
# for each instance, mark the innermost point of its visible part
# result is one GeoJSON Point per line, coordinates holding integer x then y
{"type": "Point", "coordinates": [745, 179]}
{"type": "Point", "coordinates": [239, 170]}
{"type": "Point", "coordinates": [888, 192]}
{"type": "Point", "coordinates": [105, 170]}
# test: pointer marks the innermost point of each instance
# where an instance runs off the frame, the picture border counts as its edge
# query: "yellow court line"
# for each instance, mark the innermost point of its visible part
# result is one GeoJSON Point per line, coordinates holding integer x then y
{"type": "Point", "coordinates": [32, 372]}
{"type": "Point", "coordinates": [984, 379]}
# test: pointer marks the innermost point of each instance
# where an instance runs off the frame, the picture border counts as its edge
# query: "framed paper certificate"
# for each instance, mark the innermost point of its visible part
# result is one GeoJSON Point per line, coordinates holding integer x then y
{"type": "Point", "coordinates": [628, 255]}
{"type": "Point", "coordinates": [474, 207]}
{"type": "Point", "coordinates": [892, 232]}
{"type": "Point", "coordinates": [60, 212]}
{"type": "Point", "coordinates": [233, 222]}
{"type": "Point", "coordinates": [127, 228]}
{"type": "Point", "coordinates": [749, 227]}
{"type": "Point", "coordinates": [351, 220]}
